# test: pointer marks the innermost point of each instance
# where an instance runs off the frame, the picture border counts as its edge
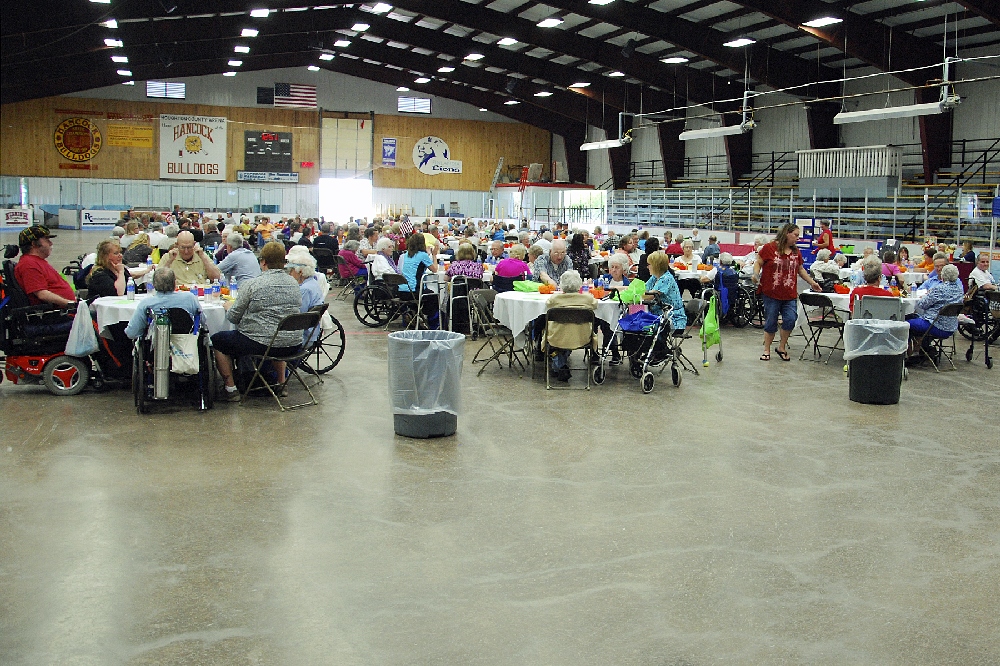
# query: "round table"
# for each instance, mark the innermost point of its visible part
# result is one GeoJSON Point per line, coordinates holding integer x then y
{"type": "Point", "coordinates": [516, 309]}
{"type": "Point", "coordinates": [909, 277]}
{"type": "Point", "coordinates": [115, 309]}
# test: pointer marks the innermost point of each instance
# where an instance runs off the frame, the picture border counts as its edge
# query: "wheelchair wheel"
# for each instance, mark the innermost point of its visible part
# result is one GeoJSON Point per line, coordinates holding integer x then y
{"type": "Point", "coordinates": [373, 306]}
{"type": "Point", "coordinates": [139, 379]}
{"type": "Point", "coordinates": [66, 375]}
{"type": "Point", "coordinates": [718, 356]}
{"type": "Point", "coordinates": [675, 374]}
{"type": "Point", "coordinates": [600, 374]}
{"type": "Point", "coordinates": [635, 368]}
{"type": "Point", "coordinates": [742, 309]}
{"type": "Point", "coordinates": [647, 382]}
{"type": "Point", "coordinates": [757, 312]}
{"type": "Point", "coordinates": [327, 350]}
{"type": "Point", "coordinates": [968, 355]}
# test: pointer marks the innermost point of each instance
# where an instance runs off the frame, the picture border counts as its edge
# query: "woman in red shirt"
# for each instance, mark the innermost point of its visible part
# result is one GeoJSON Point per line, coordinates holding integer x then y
{"type": "Point", "coordinates": [776, 272]}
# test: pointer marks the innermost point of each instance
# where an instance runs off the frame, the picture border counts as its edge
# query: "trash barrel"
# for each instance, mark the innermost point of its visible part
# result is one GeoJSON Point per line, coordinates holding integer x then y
{"type": "Point", "coordinates": [875, 350]}
{"type": "Point", "coordinates": [425, 382]}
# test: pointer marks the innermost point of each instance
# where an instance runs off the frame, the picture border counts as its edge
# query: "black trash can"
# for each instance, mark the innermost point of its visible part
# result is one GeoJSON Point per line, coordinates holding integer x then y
{"type": "Point", "coordinates": [875, 350]}
{"type": "Point", "coordinates": [425, 382]}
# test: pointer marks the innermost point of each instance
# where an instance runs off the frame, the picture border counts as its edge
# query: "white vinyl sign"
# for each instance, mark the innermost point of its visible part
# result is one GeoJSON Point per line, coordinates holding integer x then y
{"type": "Point", "coordinates": [192, 147]}
{"type": "Point", "coordinates": [15, 217]}
{"type": "Point", "coordinates": [100, 218]}
{"type": "Point", "coordinates": [432, 156]}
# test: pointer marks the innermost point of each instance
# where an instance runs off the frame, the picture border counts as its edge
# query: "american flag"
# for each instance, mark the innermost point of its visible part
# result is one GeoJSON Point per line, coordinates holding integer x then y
{"type": "Point", "coordinates": [294, 96]}
{"type": "Point", "coordinates": [405, 226]}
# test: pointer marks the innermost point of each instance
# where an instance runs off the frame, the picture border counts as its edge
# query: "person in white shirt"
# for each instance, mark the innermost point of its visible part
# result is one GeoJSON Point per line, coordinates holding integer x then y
{"type": "Point", "coordinates": [382, 259]}
{"type": "Point", "coordinates": [823, 265]}
{"type": "Point", "coordinates": [155, 234]}
{"type": "Point", "coordinates": [545, 241]}
{"type": "Point", "coordinates": [981, 273]}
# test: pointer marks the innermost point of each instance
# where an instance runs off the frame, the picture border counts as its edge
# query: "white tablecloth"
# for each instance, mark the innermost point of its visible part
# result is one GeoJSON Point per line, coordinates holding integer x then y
{"type": "Point", "coordinates": [115, 309]}
{"type": "Point", "coordinates": [909, 277]}
{"type": "Point", "coordinates": [515, 309]}
{"type": "Point", "coordinates": [841, 301]}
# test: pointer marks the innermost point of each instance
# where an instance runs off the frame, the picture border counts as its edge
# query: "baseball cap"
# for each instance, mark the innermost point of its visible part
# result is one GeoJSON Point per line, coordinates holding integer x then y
{"type": "Point", "coordinates": [32, 234]}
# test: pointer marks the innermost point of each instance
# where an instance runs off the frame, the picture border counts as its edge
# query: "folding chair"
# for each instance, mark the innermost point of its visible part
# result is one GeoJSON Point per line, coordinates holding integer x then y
{"type": "Point", "coordinates": [889, 308]}
{"type": "Point", "coordinates": [935, 346]}
{"type": "Point", "coordinates": [326, 261]}
{"type": "Point", "coordinates": [499, 338]}
{"type": "Point", "coordinates": [348, 284]}
{"type": "Point", "coordinates": [461, 286]}
{"type": "Point", "coordinates": [299, 322]}
{"type": "Point", "coordinates": [826, 320]}
{"type": "Point", "coordinates": [576, 332]}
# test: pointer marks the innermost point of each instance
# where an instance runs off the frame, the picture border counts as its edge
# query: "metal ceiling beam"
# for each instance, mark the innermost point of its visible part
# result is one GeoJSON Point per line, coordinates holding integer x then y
{"type": "Point", "coordinates": [988, 9]}
{"type": "Point", "coordinates": [857, 36]}
{"type": "Point", "coordinates": [774, 69]}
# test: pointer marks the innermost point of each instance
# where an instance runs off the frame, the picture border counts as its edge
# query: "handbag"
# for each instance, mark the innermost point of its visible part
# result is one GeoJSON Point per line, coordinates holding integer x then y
{"type": "Point", "coordinates": [82, 337]}
{"type": "Point", "coordinates": [184, 350]}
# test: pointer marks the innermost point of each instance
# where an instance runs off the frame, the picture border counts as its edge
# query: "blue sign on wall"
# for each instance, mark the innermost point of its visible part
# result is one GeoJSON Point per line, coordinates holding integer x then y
{"type": "Point", "coordinates": [388, 152]}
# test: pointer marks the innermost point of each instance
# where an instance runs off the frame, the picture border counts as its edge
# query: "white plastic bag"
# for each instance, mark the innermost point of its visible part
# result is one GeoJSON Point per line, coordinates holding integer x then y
{"type": "Point", "coordinates": [184, 354]}
{"type": "Point", "coordinates": [82, 337]}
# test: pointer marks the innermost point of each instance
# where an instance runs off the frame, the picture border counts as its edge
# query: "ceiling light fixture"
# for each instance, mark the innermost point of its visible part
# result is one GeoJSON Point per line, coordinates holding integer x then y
{"type": "Point", "coordinates": [259, 13]}
{"type": "Point", "coordinates": [360, 27]}
{"type": "Point", "coordinates": [249, 32]}
{"type": "Point", "coordinates": [326, 56]}
{"type": "Point", "coordinates": [507, 41]}
{"type": "Point", "coordinates": [610, 143]}
{"type": "Point", "coordinates": [475, 56]}
{"type": "Point", "coordinates": [128, 83]}
{"type": "Point", "coordinates": [445, 70]}
{"type": "Point", "coordinates": [101, 2]}
{"type": "Point", "coordinates": [124, 72]}
{"type": "Point", "coordinates": [615, 74]}
{"type": "Point", "coordinates": [484, 109]}
{"type": "Point", "coordinates": [119, 58]}
{"type": "Point", "coordinates": [313, 68]}
{"type": "Point", "coordinates": [422, 79]}
{"type": "Point", "coordinates": [543, 93]}
{"type": "Point", "coordinates": [600, 2]}
{"type": "Point", "coordinates": [511, 102]}
{"type": "Point", "coordinates": [823, 22]}
{"type": "Point", "coordinates": [342, 43]}
{"type": "Point", "coordinates": [550, 22]}
{"type": "Point", "coordinates": [241, 49]}
{"type": "Point", "coordinates": [581, 84]}
{"type": "Point", "coordinates": [113, 43]}
{"type": "Point", "coordinates": [742, 41]}
{"type": "Point", "coordinates": [381, 8]}
{"type": "Point", "coordinates": [947, 100]}
{"type": "Point", "coordinates": [229, 73]}
{"type": "Point", "coordinates": [402, 89]}
{"type": "Point", "coordinates": [675, 60]}
{"type": "Point", "coordinates": [235, 63]}
{"type": "Point", "coordinates": [746, 124]}
{"type": "Point", "coordinates": [110, 23]}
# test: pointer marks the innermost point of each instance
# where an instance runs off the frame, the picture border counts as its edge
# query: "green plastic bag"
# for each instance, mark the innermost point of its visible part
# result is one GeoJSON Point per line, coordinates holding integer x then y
{"type": "Point", "coordinates": [526, 285]}
{"type": "Point", "coordinates": [710, 327]}
{"type": "Point", "coordinates": [633, 293]}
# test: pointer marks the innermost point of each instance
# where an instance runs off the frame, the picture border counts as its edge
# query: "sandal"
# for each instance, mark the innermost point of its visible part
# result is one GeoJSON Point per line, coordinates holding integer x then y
{"type": "Point", "coordinates": [765, 357]}
{"type": "Point", "coordinates": [783, 355]}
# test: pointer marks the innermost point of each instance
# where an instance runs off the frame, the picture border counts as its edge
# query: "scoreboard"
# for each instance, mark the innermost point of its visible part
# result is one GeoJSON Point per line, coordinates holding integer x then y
{"type": "Point", "coordinates": [267, 151]}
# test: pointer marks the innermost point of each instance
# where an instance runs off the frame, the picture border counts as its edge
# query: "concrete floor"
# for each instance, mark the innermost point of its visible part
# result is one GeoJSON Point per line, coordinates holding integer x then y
{"type": "Point", "coordinates": [753, 516]}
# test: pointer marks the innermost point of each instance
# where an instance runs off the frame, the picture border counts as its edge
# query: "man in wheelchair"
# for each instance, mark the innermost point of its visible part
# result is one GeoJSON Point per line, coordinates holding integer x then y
{"type": "Point", "coordinates": [164, 282]}
{"type": "Point", "coordinates": [37, 278]}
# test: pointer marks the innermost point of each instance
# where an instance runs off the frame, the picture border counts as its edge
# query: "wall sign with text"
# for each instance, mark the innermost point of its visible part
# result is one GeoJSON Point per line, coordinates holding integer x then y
{"type": "Point", "coordinates": [192, 147]}
{"type": "Point", "coordinates": [78, 139]}
{"type": "Point", "coordinates": [267, 151]}
{"type": "Point", "coordinates": [432, 156]}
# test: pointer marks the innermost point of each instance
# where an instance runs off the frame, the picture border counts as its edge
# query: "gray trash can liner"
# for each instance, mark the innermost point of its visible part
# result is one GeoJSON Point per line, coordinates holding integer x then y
{"type": "Point", "coordinates": [425, 372]}
{"type": "Point", "coordinates": [875, 337]}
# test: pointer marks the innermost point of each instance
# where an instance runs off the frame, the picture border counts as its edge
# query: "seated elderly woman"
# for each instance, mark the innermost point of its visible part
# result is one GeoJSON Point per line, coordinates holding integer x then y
{"type": "Point", "coordinates": [690, 261]}
{"type": "Point", "coordinates": [382, 262]}
{"type": "Point", "coordinates": [922, 322]}
{"type": "Point", "coordinates": [258, 309]}
{"type": "Point", "coordinates": [824, 268]}
{"type": "Point", "coordinates": [301, 265]}
{"type": "Point", "coordinates": [164, 298]}
{"type": "Point", "coordinates": [353, 266]}
{"type": "Point", "coordinates": [512, 268]}
{"type": "Point", "coordinates": [138, 249]}
{"type": "Point", "coordinates": [662, 291]}
{"type": "Point", "coordinates": [616, 279]}
{"type": "Point", "coordinates": [871, 269]}
{"type": "Point", "coordinates": [570, 283]}
{"type": "Point", "coordinates": [534, 252]}
{"type": "Point", "coordinates": [466, 263]}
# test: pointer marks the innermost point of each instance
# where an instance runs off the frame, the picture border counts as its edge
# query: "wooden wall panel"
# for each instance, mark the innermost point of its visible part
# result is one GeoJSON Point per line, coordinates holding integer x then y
{"type": "Point", "coordinates": [27, 129]}
{"type": "Point", "coordinates": [477, 144]}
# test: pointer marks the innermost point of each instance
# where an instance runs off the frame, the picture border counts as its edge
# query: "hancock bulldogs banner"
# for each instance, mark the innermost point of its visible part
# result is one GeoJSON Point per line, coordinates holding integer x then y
{"type": "Point", "coordinates": [192, 147]}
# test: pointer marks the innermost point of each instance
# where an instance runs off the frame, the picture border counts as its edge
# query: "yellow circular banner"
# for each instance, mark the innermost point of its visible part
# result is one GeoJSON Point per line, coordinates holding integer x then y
{"type": "Point", "coordinates": [78, 139]}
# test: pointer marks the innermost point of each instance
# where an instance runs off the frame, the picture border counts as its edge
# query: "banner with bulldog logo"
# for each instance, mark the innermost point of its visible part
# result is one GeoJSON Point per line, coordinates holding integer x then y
{"type": "Point", "coordinates": [192, 147]}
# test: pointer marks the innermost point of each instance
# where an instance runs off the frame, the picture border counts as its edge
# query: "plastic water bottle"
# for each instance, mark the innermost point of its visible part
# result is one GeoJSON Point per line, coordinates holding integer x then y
{"type": "Point", "coordinates": [149, 275]}
{"type": "Point", "coordinates": [224, 282]}
{"type": "Point", "coordinates": [216, 291]}
{"type": "Point", "coordinates": [130, 289]}
{"type": "Point", "coordinates": [232, 289]}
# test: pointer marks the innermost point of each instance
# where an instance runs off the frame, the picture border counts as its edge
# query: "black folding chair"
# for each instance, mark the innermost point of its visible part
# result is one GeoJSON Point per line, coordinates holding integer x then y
{"type": "Point", "coordinates": [299, 322]}
{"type": "Point", "coordinates": [938, 348]}
{"type": "Point", "coordinates": [577, 332]}
{"type": "Point", "coordinates": [826, 320]}
{"type": "Point", "coordinates": [498, 338]}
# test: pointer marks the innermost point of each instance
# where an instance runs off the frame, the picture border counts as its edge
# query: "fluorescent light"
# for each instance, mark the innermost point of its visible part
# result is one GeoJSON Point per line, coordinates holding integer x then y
{"type": "Point", "coordinates": [544, 93]}
{"type": "Point", "coordinates": [422, 79]}
{"type": "Point", "coordinates": [110, 23]}
{"type": "Point", "coordinates": [259, 13]}
{"type": "Point", "coordinates": [822, 22]}
{"type": "Point", "coordinates": [229, 73]}
{"type": "Point", "coordinates": [313, 68]}
{"type": "Point", "coordinates": [610, 143]}
{"type": "Point", "coordinates": [342, 43]}
{"type": "Point", "coordinates": [742, 41]}
{"type": "Point", "coordinates": [326, 56]}
{"type": "Point", "coordinates": [710, 132]}
{"type": "Point", "coordinates": [128, 83]}
{"type": "Point", "coordinates": [675, 60]}
{"type": "Point", "coordinates": [549, 22]}
{"type": "Point", "coordinates": [360, 27]}
{"type": "Point", "coordinates": [241, 49]}
{"type": "Point", "coordinates": [511, 102]}
{"type": "Point", "coordinates": [507, 41]}
{"type": "Point", "coordinates": [235, 63]}
{"type": "Point", "coordinates": [475, 56]}
{"type": "Point", "coordinates": [616, 74]}
{"type": "Point", "coordinates": [601, 2]}
{"type": "Point", "coordinates": [249, 32]}
{"type": "Point", "coordinates": [933, 108]}
{"type": "Point", "coordinates": [101, 2]}
{"type": "Point", "coordinates": [581, 84]}
{"type": "Point", "coordinates": [381, 8]}
{"type": "Point", "coordinates": [119, 58]}
{"type": "Point", "coordinates": [402, 89]}
{"type": "Point", "coordinates": [125, 72]}
{"type": "Point", "coordinates": [484, 109]}
{"type": "Point", "coordinates": [445, 70]}
{"type": "Point", "coordinates": [113, 43]}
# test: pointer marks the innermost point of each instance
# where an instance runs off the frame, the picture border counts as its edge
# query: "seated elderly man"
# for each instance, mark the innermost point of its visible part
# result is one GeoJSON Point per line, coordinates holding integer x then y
{"type": "Point", "coordinates": [191, 264]}
{"type": "Point", "coordinates": [496, 254]}
{"type": "Point", "coordinates": [550, 267]}
{"type": "Point", "coordinates": [981, 273]}
{"type": "Point", "coordinates": [934, 277]}
{"type": "Point", "coordinates": [164, 283]}
{"type": "Point", "coordinates": [260, 306]}
{"type": "Point", "coordinates": [871, 269]}
{"type": "Point", "coordinates": [570, 283]}
{"type": "Point", "coordinates": [35, 274]}
{"type": "Point", "coordinates": [823, 268]}
{"type": "Point", "coordinates": [240, 263]}
{"type": "Point", "coordinates": [922, 323]}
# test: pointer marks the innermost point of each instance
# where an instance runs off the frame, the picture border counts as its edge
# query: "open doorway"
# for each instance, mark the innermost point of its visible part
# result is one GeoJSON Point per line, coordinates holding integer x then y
{"type": "Point", "coordinates": [344, 199]}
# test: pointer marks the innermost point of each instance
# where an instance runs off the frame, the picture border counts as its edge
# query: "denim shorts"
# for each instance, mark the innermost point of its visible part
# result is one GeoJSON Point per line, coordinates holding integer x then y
{"type": "Point", "coordinates": [789, 311]}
